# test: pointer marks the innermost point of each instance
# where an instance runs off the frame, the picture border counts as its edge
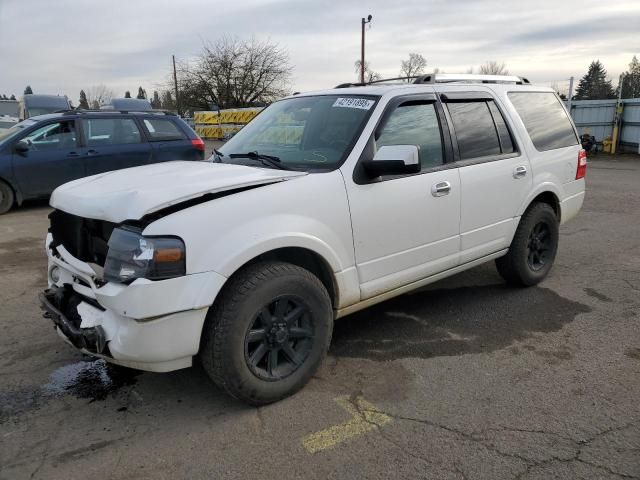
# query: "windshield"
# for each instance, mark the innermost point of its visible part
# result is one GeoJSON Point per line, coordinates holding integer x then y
{"type": "Point", "coordinates": [35, 111]}
{"type": "Point", "coordinates": [306, 133]}
{"type": "Point", "coordinates": [17, 128]}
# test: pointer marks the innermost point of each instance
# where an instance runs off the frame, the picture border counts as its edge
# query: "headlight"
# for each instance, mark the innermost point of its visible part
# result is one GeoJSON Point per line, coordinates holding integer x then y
{"type": "Point", "coordinates": [133, 256]}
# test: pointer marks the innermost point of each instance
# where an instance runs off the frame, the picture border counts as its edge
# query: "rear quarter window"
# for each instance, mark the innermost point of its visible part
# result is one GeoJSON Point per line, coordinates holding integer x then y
{"type": "Point", "coordinates": [545, 119]}
{"type": "Point", "coordinates": [162, 129]}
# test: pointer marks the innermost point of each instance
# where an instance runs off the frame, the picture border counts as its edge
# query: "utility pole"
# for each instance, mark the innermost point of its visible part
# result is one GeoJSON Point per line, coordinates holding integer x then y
{"type": "Point", "coordinates": [570, 95]}
{"type": "Point", "coordinates": [175, 83]}
{"type": "Point", "coordinates": [368, 20]}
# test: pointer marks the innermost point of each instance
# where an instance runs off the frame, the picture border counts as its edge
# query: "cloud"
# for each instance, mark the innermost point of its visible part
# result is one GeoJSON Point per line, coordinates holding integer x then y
{"type": "Point", "coordinates": [63, 46]}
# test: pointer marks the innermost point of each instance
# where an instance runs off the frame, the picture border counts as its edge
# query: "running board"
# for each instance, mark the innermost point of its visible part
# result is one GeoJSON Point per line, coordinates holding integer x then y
{"type": "Point", "coordinates": [417, 284]}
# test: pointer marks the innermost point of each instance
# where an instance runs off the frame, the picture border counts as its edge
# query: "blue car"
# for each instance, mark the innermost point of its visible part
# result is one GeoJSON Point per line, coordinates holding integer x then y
{"type": "Point", "coordinates": [43, 152]}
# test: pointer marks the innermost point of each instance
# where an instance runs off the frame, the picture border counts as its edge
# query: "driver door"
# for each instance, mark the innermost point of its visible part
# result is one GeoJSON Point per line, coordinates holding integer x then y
{"type": "Point", "coordinates": [54, 157]}
{"type": "Point", "coordinates": [407, 227]}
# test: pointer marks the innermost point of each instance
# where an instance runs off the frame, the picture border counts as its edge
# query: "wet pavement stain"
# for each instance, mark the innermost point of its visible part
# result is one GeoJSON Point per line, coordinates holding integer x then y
{"type": "Point", "coordinates": [456, 321]}
{"type": "Point", "coordinates": [592, 292]}
{"type": "Point", "coordinates": [93, 380]}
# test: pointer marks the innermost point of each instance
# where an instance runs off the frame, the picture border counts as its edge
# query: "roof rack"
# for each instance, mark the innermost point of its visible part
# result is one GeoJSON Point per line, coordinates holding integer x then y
{"type": "Point", "coordinates": [446, 78]}
{"type": "Point", "coordinates": [81, 111]}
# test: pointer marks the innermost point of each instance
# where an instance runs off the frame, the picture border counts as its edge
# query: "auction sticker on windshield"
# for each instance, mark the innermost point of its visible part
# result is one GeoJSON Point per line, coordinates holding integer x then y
{"type": "Point", "coordinates": [350, 102]}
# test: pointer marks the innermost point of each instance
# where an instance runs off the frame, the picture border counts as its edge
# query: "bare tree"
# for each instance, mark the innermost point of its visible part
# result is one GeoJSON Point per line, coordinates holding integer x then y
{"type": "Point", "coordinates": [369, 75]}
{"type": "Point", "coordinates": [98, 95]}
{"type": "Point", "coordinates": [231, 72]}
{"type": "Point", "coordinates": [413, 66]}
{"type": "Point", "coordinates": [492, 67]}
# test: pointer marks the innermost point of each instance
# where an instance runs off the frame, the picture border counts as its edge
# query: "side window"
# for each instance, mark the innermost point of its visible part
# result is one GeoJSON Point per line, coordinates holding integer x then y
{"type": "Point", "coordinates": [414, 123]}
{"type": "Point", "coordinates": [162, 129]}
{"type": "Point", "coordinates": [110, 131]}
{"type": "Point", "coordinates": [506, 143]}
{"type": "Point", "coordinates": [53, 136]}
{"type": "Point", "coordinates": [545, 119]}
{"type": "Point", "coordinates": [475, 130]}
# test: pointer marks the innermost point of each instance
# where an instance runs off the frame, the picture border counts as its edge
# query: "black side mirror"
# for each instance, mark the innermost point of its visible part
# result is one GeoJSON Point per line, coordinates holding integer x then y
{"type": "Point", "coordinates": [21, 147]}
{"type": "Point", "coordinates": [394, 160]}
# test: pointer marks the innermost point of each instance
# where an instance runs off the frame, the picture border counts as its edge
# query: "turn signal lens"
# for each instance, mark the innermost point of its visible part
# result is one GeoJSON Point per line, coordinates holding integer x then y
{"type": "Point", "coordinates": [167, 255]}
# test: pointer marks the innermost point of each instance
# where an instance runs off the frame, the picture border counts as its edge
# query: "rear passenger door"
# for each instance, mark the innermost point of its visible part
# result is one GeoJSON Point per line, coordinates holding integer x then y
{"type": "Point", "coordinates": [495, 177]}
{"type": "Point", "coordinates": [168, 140]}
{"type": "Point", "coordinates": [114, 143]}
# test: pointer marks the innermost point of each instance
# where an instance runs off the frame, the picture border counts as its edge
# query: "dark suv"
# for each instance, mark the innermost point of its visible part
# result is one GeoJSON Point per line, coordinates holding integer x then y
{"type": "Point", "coordinates": [43, 152]}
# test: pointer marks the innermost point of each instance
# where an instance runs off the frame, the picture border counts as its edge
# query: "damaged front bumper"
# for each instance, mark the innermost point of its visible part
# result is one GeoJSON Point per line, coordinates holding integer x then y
{"type": "Point", "coordinates": [148, 325]}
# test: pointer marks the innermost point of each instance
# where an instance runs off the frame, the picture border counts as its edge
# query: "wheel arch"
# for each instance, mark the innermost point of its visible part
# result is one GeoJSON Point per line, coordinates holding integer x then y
{"type": "Point", "coordinates": [18, 198]}
{"type": "Point", "coordinates": [548, 194]}
{"type": "Point", "coordinates": [302, 257]}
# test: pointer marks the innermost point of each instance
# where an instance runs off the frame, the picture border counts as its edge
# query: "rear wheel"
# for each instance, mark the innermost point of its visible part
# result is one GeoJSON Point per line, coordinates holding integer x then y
{"type": "Point", "coordinates": [533, 248]}
{"type": "Point", "coordinates": [6, 197]}
{"type": "Point", "coordinates": [268, 332]}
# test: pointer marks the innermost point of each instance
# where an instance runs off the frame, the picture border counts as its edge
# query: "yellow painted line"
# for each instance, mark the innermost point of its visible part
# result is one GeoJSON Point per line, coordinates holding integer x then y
{"type": "Point", "coordinates": [364, 419]}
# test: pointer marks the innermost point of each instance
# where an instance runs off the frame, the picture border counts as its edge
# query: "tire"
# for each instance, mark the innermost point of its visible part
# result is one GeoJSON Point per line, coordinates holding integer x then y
{"type": "Point", "coordinates": [533, 249]}
{"type": "Point", "coordinates": [288, 311]}
{"type": "Point", "coordinates": [6, 197]}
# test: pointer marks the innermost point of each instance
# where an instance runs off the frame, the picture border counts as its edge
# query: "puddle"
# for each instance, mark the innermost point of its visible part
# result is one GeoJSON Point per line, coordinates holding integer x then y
{"type": "Point", "coordinates": [93, 380]}
{"type": "Point", "coordinates": [451, 321]}
{"type": "Point", "coordinates": [90, 379]}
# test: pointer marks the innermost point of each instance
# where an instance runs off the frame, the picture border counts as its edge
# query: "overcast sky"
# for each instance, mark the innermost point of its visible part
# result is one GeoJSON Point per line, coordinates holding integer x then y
{"type": "Point", "coordinates": [61, 46]}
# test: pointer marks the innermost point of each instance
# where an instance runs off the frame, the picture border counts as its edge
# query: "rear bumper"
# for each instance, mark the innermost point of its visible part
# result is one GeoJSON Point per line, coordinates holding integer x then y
{"type": "Point", "coordinates": [570, 206]}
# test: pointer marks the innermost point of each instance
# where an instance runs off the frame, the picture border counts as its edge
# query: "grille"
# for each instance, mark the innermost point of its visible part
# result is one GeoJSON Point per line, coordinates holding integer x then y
{"type": "Point", "coordinates": [84, 238]}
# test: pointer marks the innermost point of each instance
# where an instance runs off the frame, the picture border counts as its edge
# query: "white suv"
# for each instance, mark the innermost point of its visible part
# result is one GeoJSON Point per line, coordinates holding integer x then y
{"type": "Point", "coordinates": [325, 204]}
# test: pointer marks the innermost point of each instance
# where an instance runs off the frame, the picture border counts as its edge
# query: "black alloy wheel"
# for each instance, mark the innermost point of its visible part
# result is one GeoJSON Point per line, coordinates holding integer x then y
{"type": "Point", "coordinates": [539, 246]}
{"type": "Point", "coordinates": [279, 339]}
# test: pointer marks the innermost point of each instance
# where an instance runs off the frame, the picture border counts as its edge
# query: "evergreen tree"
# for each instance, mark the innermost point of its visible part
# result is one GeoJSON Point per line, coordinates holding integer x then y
{"type": "Point", "coordinates": [13, 97]}
{"type": "Point", "coordinates": [127, 94]}
{"type": "Point", "coordinates": [631, 82]}
{"type": "Point", "coordinates": [83, 104]}
{"type": "Point", "coordinates": [28, 90]}
{"type": "Point", "coordinates": [141, 93]}
{"type": "Point", "coordinates": [4, 97]}
{"type": "Point", "coordinates": [155, 102]}
{"type": "Point", "coordinates": [167, 101]}
{"type": "Point", "coordinates": [594, 85]}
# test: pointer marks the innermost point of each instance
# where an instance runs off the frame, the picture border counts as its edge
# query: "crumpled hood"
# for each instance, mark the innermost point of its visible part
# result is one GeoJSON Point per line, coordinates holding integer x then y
{"type": "Point", "coordinates": [131, 193]}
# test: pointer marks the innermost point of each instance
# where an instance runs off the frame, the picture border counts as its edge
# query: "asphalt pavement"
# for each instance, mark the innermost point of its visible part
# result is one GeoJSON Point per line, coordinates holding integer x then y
{"type": "Point", "coordinates": [465, 379]}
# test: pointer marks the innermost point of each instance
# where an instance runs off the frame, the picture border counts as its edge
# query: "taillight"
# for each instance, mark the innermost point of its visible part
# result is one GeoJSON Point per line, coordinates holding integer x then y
{"type": "Point", "coordinates": [198, 143]}
{"type": "Point", "coordinates": [582, 165]}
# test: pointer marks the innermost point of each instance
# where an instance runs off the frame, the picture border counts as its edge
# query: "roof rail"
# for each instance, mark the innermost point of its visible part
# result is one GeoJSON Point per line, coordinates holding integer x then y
{"type": "Point", "coordinates": [106, 111]}
{"type": "Point", "coordinates": [446, 78]}
{"type": "Point", "coordinates": [472, 77]}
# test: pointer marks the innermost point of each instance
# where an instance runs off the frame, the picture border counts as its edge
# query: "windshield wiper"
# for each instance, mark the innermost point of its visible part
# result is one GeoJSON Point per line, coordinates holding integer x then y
{"type": "Point", "coordinates": [217, 156]}
{"type": "Point", "coordinates": [268, 160]}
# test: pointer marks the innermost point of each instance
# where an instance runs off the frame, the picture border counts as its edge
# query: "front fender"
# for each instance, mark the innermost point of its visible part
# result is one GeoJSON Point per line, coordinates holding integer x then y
{"type": "Point", "coordinates": [309, 212]}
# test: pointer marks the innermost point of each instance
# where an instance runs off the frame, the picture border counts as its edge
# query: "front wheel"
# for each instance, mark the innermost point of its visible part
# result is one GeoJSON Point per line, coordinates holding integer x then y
{"type": "Point", "coordinates": [533, 248]}
{"type": "Point", "coordinates": [268, 332]}
{"type": "Point", "coordinates": [6, 197]}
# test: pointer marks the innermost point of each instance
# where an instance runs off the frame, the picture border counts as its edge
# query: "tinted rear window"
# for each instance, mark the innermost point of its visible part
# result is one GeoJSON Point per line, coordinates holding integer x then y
{"type": "Point", "coordinates": [162, 129]}
{"type": "Point", "coordinates": [545, 119]}
{"type": "Point", "coordinates": [475, 130]}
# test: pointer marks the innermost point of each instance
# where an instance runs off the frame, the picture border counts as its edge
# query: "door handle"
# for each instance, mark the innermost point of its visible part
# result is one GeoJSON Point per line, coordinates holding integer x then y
{"type": "Point", "coordinates": [440, 189]}
{"type": "Point", "coordinates": [73, 154]}
{"type": "Point", "coordinates": [92, 152]}
{"type": "Point", "coordinates": [520, 171]}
